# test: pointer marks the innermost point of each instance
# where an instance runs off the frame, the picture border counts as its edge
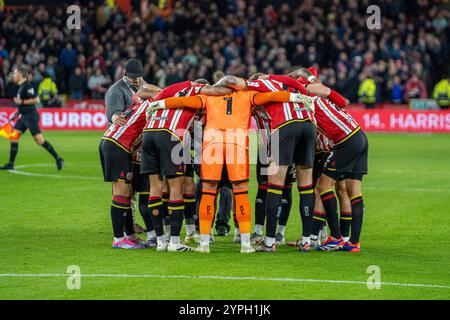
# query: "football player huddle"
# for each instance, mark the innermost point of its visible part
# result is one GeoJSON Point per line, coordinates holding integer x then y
{"type": "Point", "coordinates": [304, 135]}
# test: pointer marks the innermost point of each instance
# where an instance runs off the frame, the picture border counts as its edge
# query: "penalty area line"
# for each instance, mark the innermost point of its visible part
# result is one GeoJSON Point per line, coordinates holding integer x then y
{"type": "Point", "coordinates": [207, 277]}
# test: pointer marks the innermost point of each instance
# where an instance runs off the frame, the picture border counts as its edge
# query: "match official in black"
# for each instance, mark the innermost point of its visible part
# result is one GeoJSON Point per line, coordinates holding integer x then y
{"type": "Point", "coordinates": [26, 100]}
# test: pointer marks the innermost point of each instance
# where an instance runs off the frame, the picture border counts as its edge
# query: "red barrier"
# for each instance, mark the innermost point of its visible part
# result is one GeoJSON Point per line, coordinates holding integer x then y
{"type": "Point", "coordinates": [381, 120]}
{"type": "Point", "coordinates": [64, 119]}
{"type": "Point", "coordinates": [384, 120]}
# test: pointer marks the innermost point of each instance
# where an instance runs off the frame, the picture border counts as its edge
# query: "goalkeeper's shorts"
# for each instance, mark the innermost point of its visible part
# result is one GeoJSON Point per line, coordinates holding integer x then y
{"type": "Point", "coordinates": [216, 155]}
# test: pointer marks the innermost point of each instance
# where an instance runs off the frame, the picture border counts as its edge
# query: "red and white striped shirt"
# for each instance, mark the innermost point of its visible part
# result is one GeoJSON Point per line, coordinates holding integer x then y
{"type": "Point", "coordinates": [176, 121]}
{"type": "Point", "coordinates": [323, 144]}
{"type": "Point", "coordinates": [336, 123]}
{"type": "Point", "coordinates": [280, 113]}
{"type": "Point", "coordinates": [126, 136]}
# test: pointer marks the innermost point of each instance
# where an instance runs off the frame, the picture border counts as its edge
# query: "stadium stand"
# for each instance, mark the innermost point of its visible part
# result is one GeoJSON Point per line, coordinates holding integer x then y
{"type": "Point", "coordinates": [193, 39]}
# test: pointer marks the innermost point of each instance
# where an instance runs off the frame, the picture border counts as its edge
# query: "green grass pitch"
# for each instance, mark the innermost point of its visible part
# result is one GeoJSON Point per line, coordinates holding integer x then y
{"type": "Point", "coordinates": [51, 220]}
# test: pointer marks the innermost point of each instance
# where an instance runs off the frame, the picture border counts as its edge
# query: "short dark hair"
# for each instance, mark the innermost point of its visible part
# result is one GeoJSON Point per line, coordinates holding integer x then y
{"type": "Point", "coordinates": [201, 81]}
{"type": "Point", "coordinates": [23, 70]}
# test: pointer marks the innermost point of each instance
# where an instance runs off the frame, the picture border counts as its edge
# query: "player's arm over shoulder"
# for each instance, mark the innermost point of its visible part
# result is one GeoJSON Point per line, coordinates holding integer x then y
{"type": "Point", "coordinates": [232, 82]}
{"type": "Point", "coordinates": [193, 102]}
{"type": "Point", "coordinates": [215, 90]}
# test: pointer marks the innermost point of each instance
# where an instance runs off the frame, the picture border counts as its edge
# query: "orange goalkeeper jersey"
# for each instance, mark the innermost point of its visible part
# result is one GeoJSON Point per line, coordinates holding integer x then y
{"type": "Point", "coordinates": [232, 111]}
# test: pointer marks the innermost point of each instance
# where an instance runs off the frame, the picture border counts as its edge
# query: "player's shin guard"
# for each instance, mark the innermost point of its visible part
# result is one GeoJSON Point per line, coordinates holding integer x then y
{"type": "Point", "coordinates": [329, 202]}
{"type": "Point", "coordinates": [307, 199]}
{"type": "Point", "coordinates": [345, 221]}
{"type": "Point", "coordinates": [357, 217]}
{"type": "Point", "coordinates": [176, 212]}
{"type": "Point", "coordinates": [119, 207]}
{"type": "Point", "coordinates": [146, 215]}
{"type": "Point", "coordinates": [165, 212]}
{"type": "Point", "coordinates": [260, 208]}
{"type": "Point", "coordinates": [273, 209]}
{"type": "Point", "coordinates": [189, 212]}
{"type": "Point", "coordinates": [318, 221]}
{"type": "Point", "coordinates": [13, 152]}
{"type": "Point", "coordinates": [243, 211]}
{"type": "Point", "coordinates": [207, 210]}
{"type": "Point", "coordinates": [47, 146]}
{"type": "Point", "coordinates": [129, 223]}
{"type": "Point", "coordinates": [286, 205]}
{"type": "Point", "coordinates": [155, 208]}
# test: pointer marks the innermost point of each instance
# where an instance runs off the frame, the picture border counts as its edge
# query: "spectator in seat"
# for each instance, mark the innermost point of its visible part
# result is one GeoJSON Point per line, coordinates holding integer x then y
{"type": "Point", "coordinates": [397, 90]}
{"type": "Point", "coordinates": [2, 87]}
{"type": "Point", "coordinates": [415, 89]}
{"type": "Point", "coordinates": [441, 93]}
{"type": "Point", "coordinates": [67, 59]}
{"type": "Point", "coordinates": [367, 91]}
{"type": "Point", "coordinates": [76, 84]}
{"type": "Point", "coordinates": [97, 83]}
{"type": "Point", "coordinates": [47, 91]}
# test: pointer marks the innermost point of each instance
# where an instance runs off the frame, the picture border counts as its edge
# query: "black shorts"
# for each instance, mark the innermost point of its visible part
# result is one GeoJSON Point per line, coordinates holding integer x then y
{"type": "Point", "coordinates": [29, 121]}
{"type": "Point", "coordinates": [297, 144]}
{"type": "Point", "coordinates": [140, 181]}
{"type": "Point", "coordinates": [319, 161]}
{"type": "Point", "coordinates": [116, 162]}
{"type": "Point", "coordinates": [349, 159]}
{"type": "Point", "coordinates": [263, 178]}
{"type": "Point", "coordinates": [189, 170]}
{"type": "Point", "coordinates": [157, 149]}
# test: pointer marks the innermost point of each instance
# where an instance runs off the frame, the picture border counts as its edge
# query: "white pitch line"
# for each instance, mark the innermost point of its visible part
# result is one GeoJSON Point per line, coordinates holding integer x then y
{"type": "Point", "coordinates": [380, 188]}
{"type": "Point", "coordinates": [38, 165]}
{"type": "Point", "coordinates": [52, 175]}
{"type": "Point", "coordinates": [50, 275]}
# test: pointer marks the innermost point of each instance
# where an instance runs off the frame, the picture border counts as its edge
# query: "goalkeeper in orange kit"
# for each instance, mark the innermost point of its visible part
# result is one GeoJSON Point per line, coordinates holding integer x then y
{"type": "Point", "coordinates": [225, 142]}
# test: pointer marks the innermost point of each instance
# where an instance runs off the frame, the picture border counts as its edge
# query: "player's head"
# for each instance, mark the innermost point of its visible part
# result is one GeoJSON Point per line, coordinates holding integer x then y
{"type": "Point", "coordinates": [202, 81]}
{"type": "Point", "coordinates": [256, 76]}
{"type": "Point", "coordinates": [134, 71]}
{"type": "Point", "coordinates": [218, 75]}
{"type": "Point", "coordinates": [314, 72]}
{"type": "Point", "coordinates": [20, 73]}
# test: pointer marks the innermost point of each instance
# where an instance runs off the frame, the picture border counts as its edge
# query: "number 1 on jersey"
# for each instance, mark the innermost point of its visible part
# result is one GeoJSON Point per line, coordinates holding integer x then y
{"type": "Point", "coordinates": [229, 104]}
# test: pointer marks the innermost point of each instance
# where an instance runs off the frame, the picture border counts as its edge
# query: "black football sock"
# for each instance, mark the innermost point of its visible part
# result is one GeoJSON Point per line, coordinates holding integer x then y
{"type": "Point", "coordinates": [273, 210]}
{"type": "Point", "coordinates": [166, 217]}
{"type": "Point", "coordinates": [357, 217]}
{"type": "Point", "coordinates": [176, 212]}
{"type": "Point", "coordinates": [119, 207]}
{"type": "Point", "coordinates": [331, 209]}
{"type": "Point", "coordinates": [260, 207]}
{"type": "Point", "coordinates": [47, 146]}
{"type": "Point", "coordinates": [155, 209]}
{"type": "Point", "coordinates": [286, 205]}
{"type": "Point", "coordinates": [145, 214]}
{"type": "Point", "coordinates": [13, 152]}
{"type": "Point", "coordinates": [345, 221]}
{"type": "Point", "coordinates": [307, 200]}
{"type": "Point", "coordinates": [129, 223]}
{"type": "Point", "coordinates": [318, 222]}
{"type": "Point", "coordinates": [189, 208]}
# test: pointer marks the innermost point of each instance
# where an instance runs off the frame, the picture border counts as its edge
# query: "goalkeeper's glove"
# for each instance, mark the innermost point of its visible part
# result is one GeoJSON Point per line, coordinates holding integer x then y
{"type": "Point", "coordinates": [303, 99]}
{"type": "Point", "coordinates": [154, 106]}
